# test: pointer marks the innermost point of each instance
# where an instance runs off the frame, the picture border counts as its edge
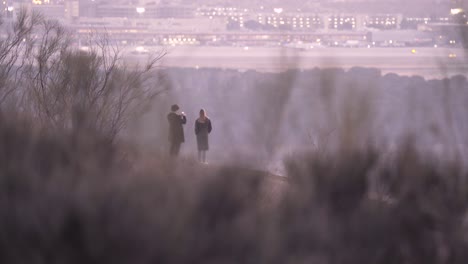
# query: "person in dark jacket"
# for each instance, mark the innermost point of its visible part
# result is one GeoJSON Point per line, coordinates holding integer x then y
{"type": "Point", "coordinates": [176, 130]}
{"type": "Point", "coordinates": [202, 129]}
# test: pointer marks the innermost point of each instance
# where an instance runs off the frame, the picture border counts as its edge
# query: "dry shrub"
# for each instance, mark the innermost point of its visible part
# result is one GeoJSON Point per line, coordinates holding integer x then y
{"type": "Point", "coordinates": [71, 198]}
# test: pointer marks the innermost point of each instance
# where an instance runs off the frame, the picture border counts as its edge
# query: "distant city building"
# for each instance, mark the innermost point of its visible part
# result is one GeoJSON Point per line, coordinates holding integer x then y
{"type": "Point", "coordinates": [220, 12]}
{"type": "Point", "coordinates": [342, 22]}
{"type": "Point", "coordinates": [291, 21]}
{"type": "Point", "coordinates": [416, 22]}
{"type": "Point", "coordinates": [449, 34]}
{"type": "Point", "coordinates": [180, 23]}
{"type": "Point", "coordinates": [50, 10]}
{"type": "Point", "coordinates": [174, 12]}
{"type": "Point", "coordinates": [149, 11]}
{"type": "Point", "coordinates": [87, 8]}
{"type": "Point", "coordinates": [383, 22]}
{"type": "Point", "coordinates": [127, 11]}
{"type": "Point", "coordinates": [401, 38]}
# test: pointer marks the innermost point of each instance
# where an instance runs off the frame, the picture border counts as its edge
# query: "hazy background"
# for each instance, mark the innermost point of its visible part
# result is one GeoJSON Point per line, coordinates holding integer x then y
{"type": "Point", "coordinates": [372, 159]}
{"type": "Point", "coordinates": [261, 118]}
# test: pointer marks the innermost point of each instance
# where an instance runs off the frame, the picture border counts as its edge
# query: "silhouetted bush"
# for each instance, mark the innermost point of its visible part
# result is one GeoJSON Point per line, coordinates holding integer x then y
{"type": "Point", "coordinates": [71, 198]}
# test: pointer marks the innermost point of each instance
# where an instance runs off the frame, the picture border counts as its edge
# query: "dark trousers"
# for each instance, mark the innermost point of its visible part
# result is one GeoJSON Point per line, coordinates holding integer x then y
{"type": "Point", "coordinates": [175, 148]}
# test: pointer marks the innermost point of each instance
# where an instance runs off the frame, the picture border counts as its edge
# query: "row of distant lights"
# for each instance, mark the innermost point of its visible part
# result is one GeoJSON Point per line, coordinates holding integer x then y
{"type": "Point", "coordinates": [179, 40]}
{"type": "Point", "coordinates": [387, 18]}
{"type": "Point", "coordinates": [301, 19]}
{"type": "Point", "coordinates": [393, 19]}
{"type": "Point", "coordinates": [284, 23]}
{"type": "Point", "coordinates": [220, 9]}
{"type": "Point", "coordinates": [40, 2]}
{"type": "Point", "coordinates": [342, 21]}
{"type": "Point", "coordinates": [346, 19]}
{"type": "Point", "coordinates": [226, 12]}
{"type": "Point", "coordinates": [330, 19]}
{"type": "Point", "coordinates": [289, 21]}
{"type": "Point", "coordinates": [383, 21]}
{"type": "Point", "coordinates": [220, 14]}
{"type": "Point", "coordinates": [418, 19]}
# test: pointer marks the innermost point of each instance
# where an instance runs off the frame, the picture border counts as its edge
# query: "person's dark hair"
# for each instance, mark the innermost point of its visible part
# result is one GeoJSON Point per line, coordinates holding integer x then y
{"type": "Point", "coordinates": [174, 107]}
{"type": "Point", "coordinates": [202, 111]}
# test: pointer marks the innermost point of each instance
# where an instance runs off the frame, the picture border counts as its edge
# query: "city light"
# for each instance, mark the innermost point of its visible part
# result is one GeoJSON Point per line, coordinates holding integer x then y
{"type": "Point", "coordinates": [243, 25]}
{"type": "Point", "coordinates": [456, 11]}
{"type": "Point", "coordinates": [278, 10]}
{"type": "Point", "coordinates": [140, 49]}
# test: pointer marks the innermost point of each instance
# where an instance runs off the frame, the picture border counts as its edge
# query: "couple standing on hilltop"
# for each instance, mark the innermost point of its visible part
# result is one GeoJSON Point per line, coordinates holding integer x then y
{"type": "Point", "coordinates": [176, 131]}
